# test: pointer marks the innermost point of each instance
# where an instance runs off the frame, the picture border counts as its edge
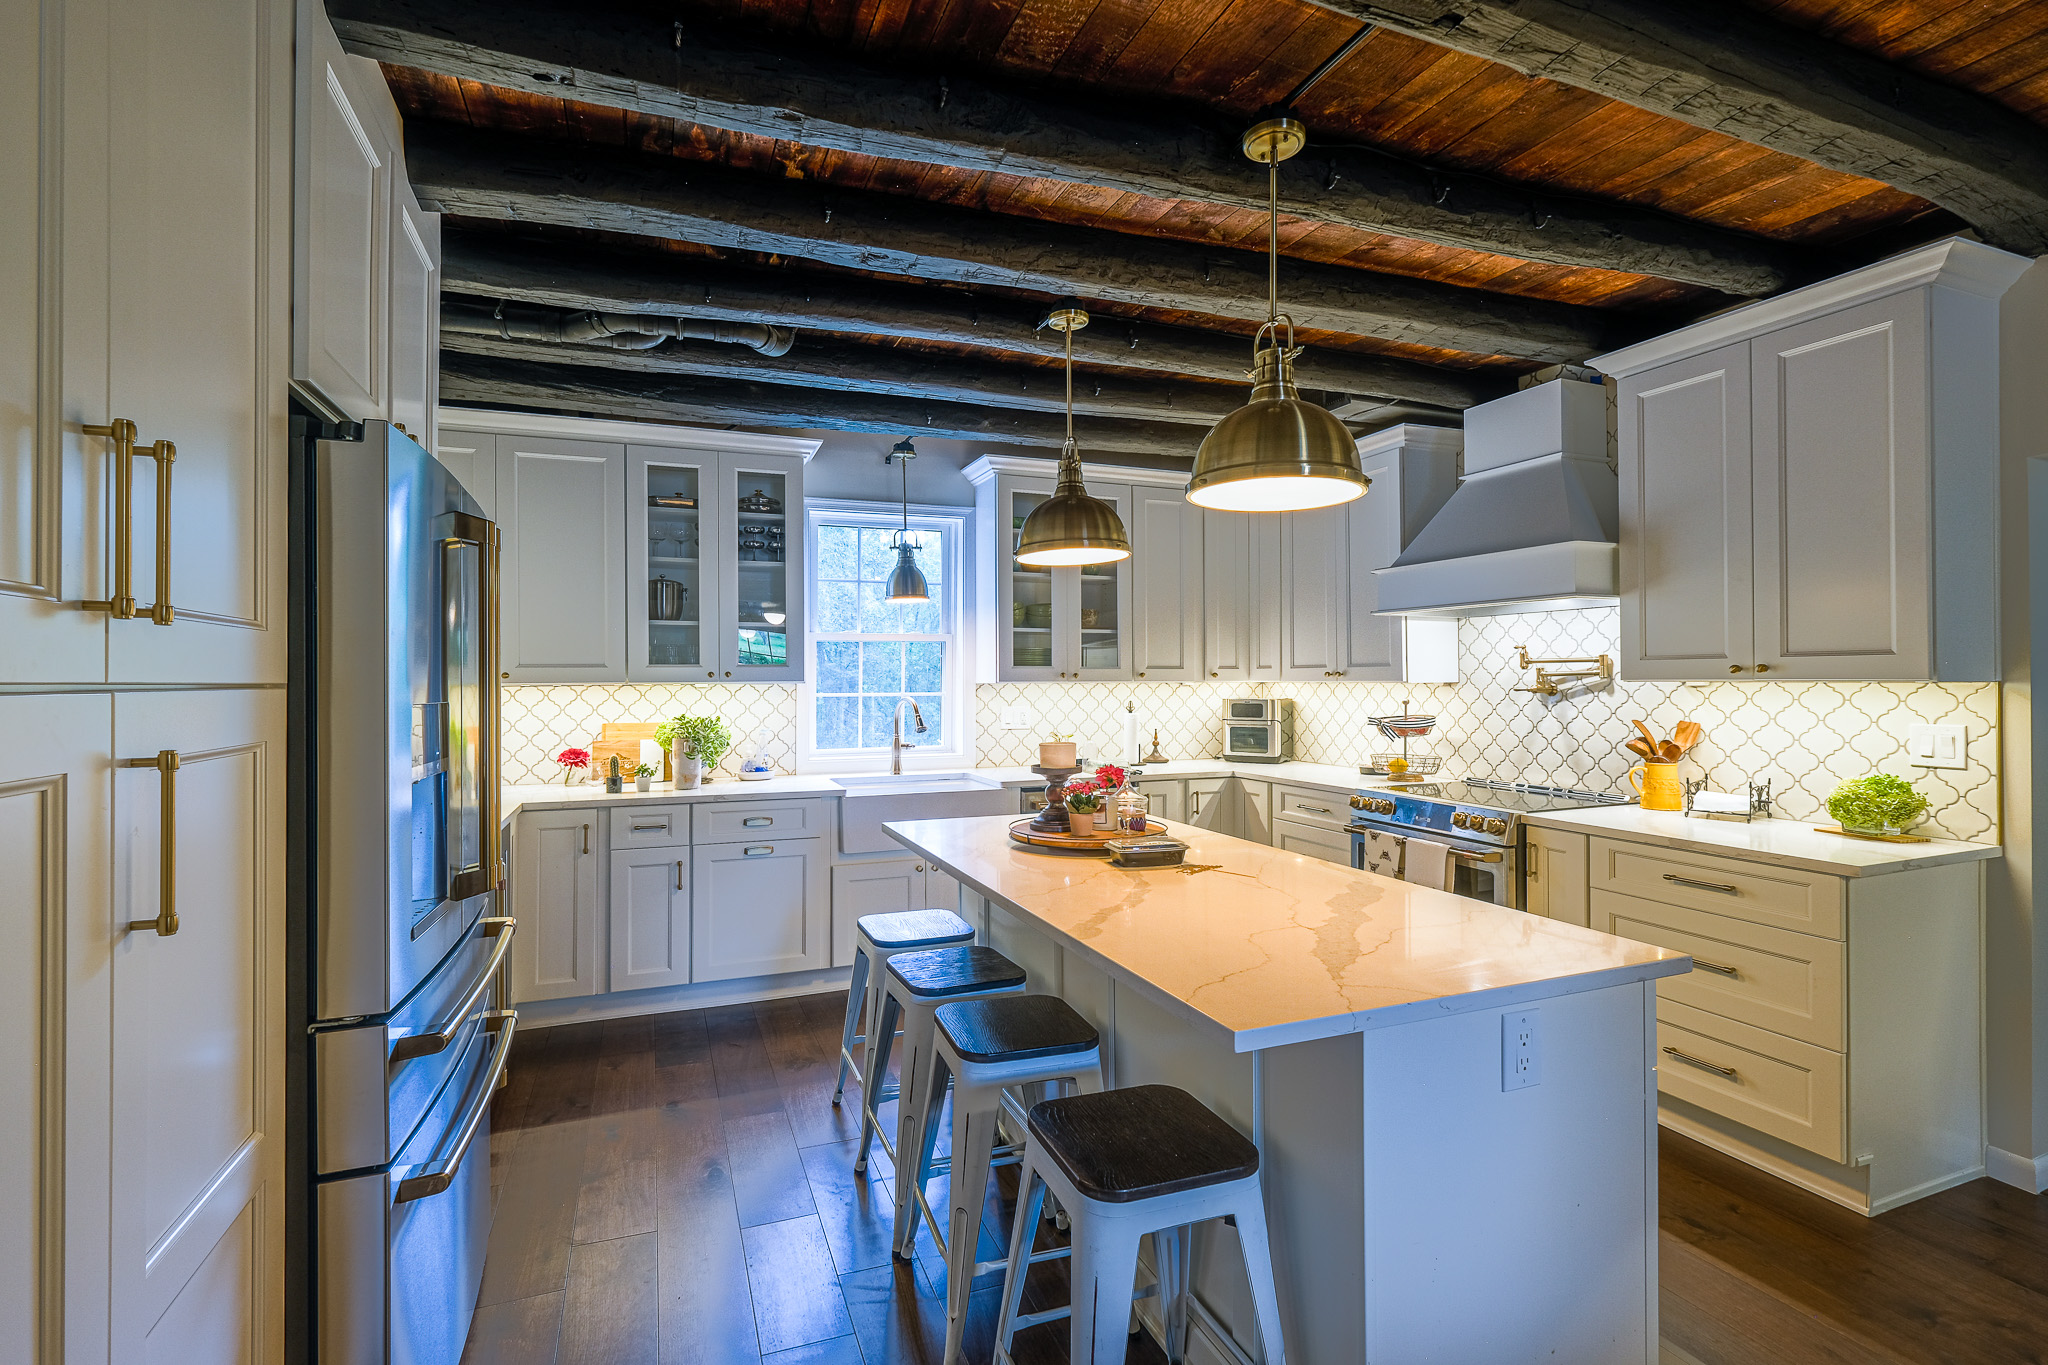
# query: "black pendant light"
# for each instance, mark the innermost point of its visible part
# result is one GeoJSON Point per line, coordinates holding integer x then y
{"type": "Point", "coordinates": [1277, 453]}
{"type": "Point", "coordinates": [1070, 527]}
{"type": "Point", "coordinates": [906, 580]}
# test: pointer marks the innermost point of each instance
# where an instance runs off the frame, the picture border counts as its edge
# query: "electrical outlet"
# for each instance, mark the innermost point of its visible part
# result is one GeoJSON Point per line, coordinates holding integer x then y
{"type": "Point", "coordinates": [1521, 1064]}
{"type": "Point", "coordinates": [1016, 716]}
{"type": "Point", "coordinates": [1937, 746]}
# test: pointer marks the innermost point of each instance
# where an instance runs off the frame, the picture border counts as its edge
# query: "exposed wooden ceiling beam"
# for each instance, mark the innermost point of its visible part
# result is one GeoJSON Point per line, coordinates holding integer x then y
{"type": "Point", "coordinates": [603, 56]}
{"type": "Point", "coordinates": [1722, 66]}
{"type": "Point", "coordinates": [568, 274]}
{"type": "Point", "coordinates": [506, 178]}
{"type": "Point", "coordinates": [487, 382]}
{"type": "Point", "coordinates": [901, 374]}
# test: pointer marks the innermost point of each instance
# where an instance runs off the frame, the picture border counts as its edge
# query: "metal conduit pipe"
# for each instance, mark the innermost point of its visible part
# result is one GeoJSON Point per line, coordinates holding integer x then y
{"type": "Point", "coordinates": [618, 331]}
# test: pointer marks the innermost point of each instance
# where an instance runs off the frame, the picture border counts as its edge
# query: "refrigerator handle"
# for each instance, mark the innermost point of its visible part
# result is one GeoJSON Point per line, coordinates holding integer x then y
{"type": "Point", "coordinates": [432, 1177]}
{"type": "Point", "coordinates": [436, 1039]}
{"type": "Point", "coordinates": [493, 858]}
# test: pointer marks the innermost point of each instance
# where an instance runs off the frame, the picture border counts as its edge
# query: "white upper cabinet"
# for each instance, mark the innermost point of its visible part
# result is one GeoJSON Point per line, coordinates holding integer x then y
{"type": "Point", "coordinates": [1807, 482]}
{"type": "Point", "coordinates": [761, 583]}
{"type": "Point", "coordinates": [1167, 586]}
{"type": "Point", "coordinates": [1315, 593]}
{"type": "Point", "coordinates": [415, 317]}
{"type": "Point", "coordinates": [562, 580]}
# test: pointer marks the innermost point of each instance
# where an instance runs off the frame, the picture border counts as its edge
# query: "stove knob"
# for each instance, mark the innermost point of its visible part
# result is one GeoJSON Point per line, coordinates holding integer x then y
{"type": "Point", "coordinates": [1385, 806]}
{"type": "Point", "coordinates": [1459, 820]}
{"type": "Point", "coordinates": [1496, 825]}
{"type": "Point", "coordinates": [1361, 803]}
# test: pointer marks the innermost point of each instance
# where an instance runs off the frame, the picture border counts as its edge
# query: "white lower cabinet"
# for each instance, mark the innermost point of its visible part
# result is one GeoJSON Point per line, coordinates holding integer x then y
{"type": "Point", "coordinates": [558, 899]}
{"type": "Point", "coordinates": [759, 909]}
{"type": "Point", "coordinates": [1211, 803]}
{"type": "Point", "coordinates": [650, 917]}
{"type": "Point", "coordinates": [1317, 841]}
{"type": "Point", "coordinates": [1554, 874]}
{"type": "Point", "coordinates": [884, 886]}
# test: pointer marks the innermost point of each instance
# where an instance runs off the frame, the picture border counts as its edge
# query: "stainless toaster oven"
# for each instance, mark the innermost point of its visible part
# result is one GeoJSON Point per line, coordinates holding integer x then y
{"type": "Point", "coordinates": [1259, 730]}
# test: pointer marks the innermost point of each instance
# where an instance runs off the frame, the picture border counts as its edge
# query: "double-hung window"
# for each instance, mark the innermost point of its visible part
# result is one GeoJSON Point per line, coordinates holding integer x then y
{"type": "Point", "coordinates": [868, 654]}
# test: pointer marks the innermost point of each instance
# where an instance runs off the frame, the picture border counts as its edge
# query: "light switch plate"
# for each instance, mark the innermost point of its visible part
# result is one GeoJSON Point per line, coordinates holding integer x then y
{"type": "Point", "coordinates": [1937, 746]}
{"type": "Point", "coordinates": [1016, 716]}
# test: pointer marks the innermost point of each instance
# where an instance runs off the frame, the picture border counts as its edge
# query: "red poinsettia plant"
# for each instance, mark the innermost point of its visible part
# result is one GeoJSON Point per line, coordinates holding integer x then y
{"type": "Point", "coordinates": [1109, 777]}
{"type": "Point", "coordinates": [572, 761]}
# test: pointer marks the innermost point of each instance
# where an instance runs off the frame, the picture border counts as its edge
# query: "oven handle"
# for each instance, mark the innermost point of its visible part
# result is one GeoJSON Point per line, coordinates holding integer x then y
{"type": "Point", "coordinates": [1488, 856]}
{"type": "Point", "coordinates": [431, 1177]}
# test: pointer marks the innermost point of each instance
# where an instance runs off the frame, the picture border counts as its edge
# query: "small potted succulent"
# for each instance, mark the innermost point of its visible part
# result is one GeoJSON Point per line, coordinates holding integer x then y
{"type": "Point", "coordinates": [575, 763]}
{"type": "Point", "coordinates": [643, 778]}
{"type": "Point", "coordinates": [1878, 804]}
{"type": "Point", "coordinates": [696, 743]}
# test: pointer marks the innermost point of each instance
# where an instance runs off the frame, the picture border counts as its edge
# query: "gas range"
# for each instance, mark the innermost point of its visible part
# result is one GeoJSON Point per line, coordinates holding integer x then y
{"type": "Point", "coordinates": [1473, 811]}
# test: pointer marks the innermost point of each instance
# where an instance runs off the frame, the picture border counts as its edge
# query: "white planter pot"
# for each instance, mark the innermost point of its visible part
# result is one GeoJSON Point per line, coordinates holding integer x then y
{"type": "Point", "coordinates": [641, 784]}
{"type": "Point", "coordinates": [689, 773]}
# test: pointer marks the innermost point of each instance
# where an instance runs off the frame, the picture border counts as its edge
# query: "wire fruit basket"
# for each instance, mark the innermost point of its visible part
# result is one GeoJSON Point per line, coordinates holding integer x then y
{"type": "Point", "coordinates": [1419, 765]}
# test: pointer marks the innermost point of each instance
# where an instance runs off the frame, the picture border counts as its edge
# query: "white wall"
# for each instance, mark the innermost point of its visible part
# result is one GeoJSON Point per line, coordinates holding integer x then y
{"type": "Point", "coordinates": [849, 465]}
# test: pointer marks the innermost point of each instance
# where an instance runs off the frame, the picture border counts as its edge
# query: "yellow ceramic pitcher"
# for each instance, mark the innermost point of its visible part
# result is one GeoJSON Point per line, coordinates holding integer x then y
{"type": "Point", "coordinates": [1658, 786]}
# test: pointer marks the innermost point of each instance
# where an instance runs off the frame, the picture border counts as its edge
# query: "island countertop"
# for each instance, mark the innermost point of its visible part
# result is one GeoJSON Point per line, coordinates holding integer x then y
{"type": "Point", "coordinates": [1276, 947]}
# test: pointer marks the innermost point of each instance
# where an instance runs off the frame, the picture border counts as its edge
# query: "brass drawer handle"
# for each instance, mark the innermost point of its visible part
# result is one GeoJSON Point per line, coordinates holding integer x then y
{"type": "Point", "coordinates": [661, 828]}
{"type": "Point", "coordinates": [1724, 890]}
{"type": "Point", "coordinates": [1319, 810]}
{"type": "Point", "coordinates": [1707, 966]}
{"type": "Point", "coordinates": [757, 850]}
{"type": "Point", "coordinates": [679, 874]}
{"type": "Point", "coordinates": [757, 821]}
{"type": "Point", "coordinates": [586, 839]}
{"type": "Point", "coordinates": [1725, 1071]}
{"type": "Point", "coordinates": [121, 606]}
{"type": "Point", "coordinates": [166, 764]}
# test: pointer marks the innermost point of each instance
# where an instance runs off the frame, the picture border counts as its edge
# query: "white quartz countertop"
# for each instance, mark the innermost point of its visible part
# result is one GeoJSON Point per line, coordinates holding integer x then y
{"type": "Point", "coordinates": [1780, 843]}
{"type": "Point", "coordinates": [1276, 947]}
{"type": "Point", "coordinates": [555, 796]}
{"type": "Point", "coordinates": [1329, 776]}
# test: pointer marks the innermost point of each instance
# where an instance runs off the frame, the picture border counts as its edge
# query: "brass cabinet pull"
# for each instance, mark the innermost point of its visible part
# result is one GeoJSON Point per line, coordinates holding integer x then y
{"type": "Point", "coordinates": [1717, 967]}
{"type": "Point", "coordinates": [1763, 668]}
{"type": "Point", "coordinates": [166, 764]}
{"type": "Point", "coordinates": [650, 829]}
{"type": "Point", "coordinates": [586, 838]}
{"type": "Point", "coordinates": [757, 850]}
{"type": "Point", "coordinates": [1720, 887]}
{"type": "Point", "coordinates": [757, 821]}
{"type": "Point", "coordinates": [1690, 1060]}
{"type": "Point", "coordinates": [121, 606]}
{"type": "Point", "coordinates": [1319, 810]}
{"type": "Point", "coordinates": [679, 874]}
{"type": "Point", "coordinates": [1529, 869]}
{"type": "Point", "coordinates": [1735, 668]}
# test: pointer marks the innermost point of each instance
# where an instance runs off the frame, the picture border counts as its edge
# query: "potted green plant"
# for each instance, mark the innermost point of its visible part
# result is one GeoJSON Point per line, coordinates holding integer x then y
{"type": "Point", "coordinates": [1877, 804]}
{"type": "Point", "coordinates": [643, 778]}
{"type": "Point", "coordinates": [1086, 798]}
{"type": "Point", "coordinates": [696, 744]}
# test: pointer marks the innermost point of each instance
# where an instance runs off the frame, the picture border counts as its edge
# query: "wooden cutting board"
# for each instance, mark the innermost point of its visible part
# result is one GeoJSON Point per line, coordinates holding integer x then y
{"type": "Point", "coordinates": [623, 738]}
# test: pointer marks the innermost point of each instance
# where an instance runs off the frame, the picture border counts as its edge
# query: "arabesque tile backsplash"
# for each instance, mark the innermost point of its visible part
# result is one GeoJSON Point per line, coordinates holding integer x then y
{"type": "Point", "coordinates": [1804, 736]}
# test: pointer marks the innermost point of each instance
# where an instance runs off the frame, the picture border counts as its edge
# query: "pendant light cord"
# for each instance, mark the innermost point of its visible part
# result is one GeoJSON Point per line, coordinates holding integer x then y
{"type": "Point", "coordinates": [1070, 385]}
{"type": "Point", "coordinates": [1273, 239]}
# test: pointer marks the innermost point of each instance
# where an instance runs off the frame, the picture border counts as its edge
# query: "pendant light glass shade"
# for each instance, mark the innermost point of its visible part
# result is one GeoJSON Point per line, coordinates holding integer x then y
{"type": "Point", "coordinates": [1277, 453]}
{"type": "Point", "coordinates": [1071, 527]}
{"type": "Point", "coordinates": [906, 581]}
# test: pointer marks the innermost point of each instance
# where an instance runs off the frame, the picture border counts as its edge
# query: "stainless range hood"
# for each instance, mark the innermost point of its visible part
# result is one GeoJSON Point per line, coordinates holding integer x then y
{"type": "Point", "coordinates": [1532, 525]}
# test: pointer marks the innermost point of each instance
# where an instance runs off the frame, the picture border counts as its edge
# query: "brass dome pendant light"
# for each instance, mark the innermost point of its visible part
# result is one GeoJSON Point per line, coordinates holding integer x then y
{"type": "Point", "coordinates": [906, 581]}
{"type": "Point", "coordinates": [1277, 453]}
{"type": "Point", "coordinates": [1070, 527]}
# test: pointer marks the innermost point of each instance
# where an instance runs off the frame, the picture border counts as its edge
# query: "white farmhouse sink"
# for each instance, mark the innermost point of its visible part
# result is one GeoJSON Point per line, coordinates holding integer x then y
{"type": "Point", "coordinates": [873, 799]}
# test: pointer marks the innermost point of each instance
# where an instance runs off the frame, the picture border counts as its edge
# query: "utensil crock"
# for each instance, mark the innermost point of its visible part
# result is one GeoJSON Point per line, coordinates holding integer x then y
{"type": "Point", "coordinates": [1658, 786]}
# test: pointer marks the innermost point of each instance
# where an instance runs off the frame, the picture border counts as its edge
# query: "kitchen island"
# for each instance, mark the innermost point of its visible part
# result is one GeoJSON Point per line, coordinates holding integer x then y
{"type": "Point", "coordinates": [1427, 1205]}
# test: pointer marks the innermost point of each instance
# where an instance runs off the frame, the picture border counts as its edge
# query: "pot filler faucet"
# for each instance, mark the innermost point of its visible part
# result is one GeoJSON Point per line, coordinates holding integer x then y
{"type": "Point", "coordinates": [896, 744]}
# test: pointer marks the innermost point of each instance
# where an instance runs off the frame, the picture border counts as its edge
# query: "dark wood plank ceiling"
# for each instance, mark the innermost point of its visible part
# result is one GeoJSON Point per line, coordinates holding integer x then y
{"type": "Point", "coordinates": [1222, 62]}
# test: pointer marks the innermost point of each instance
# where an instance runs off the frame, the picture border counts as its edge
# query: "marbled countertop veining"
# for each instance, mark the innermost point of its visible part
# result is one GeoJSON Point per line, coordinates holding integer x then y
{"type": "Point", "coordinates": [1276, 947]}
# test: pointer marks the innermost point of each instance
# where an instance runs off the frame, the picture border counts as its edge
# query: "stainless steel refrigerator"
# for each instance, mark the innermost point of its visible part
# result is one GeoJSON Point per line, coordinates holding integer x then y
{"type": "Point", "coordinates": [409, 1037]}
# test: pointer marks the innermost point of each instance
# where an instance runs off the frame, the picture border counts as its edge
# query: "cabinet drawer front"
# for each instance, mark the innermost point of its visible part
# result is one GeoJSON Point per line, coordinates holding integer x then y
{"type": "Point", "coordinates": [1805, 902]}
{"type": "Point", "coordinates": [1312, 807]}
{"type": "Point", "coordinates": [1777, 1085]}
{"type": "Point", "coordinates": [653, 827]}
{"type": "Point", "coordinates": [721, 824]}
{"type": "Point", "coordinates": [1775, 979]}
{"type": "Point", "coordinates": [1294, 836]}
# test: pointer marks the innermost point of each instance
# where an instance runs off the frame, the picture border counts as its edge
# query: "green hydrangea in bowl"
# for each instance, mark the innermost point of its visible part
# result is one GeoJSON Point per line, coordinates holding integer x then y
{"type": "Point", "coordinates": [1877, 804]}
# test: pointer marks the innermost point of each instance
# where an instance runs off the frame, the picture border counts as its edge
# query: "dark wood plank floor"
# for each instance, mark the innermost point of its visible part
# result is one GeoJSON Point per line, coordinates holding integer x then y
{"type": "Point", "coordinates": [681, 1189]}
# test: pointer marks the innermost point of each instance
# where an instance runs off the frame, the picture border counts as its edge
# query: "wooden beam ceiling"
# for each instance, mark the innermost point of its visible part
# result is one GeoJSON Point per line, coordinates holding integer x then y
{"type": "Point", "coordinates": [629, 61]}
{"type": "Point", "coordinates": [509, 179]}
{"type": "Point", "coordinates": [484, 381]}
{"type": "Point", "coordinates": [570, 274]}
{"type": "Point", "coordinates": [1716, 65]}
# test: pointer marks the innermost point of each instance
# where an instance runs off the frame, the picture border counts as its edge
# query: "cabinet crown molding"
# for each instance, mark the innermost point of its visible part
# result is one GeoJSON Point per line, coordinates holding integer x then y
{"type": "Point", "coordinates": [454, 420]}
{"type": "Point", "coordinates": [986, 467]}
{"type": "Point", "coordinates": [1956, 263]}
{"type": "Point", "coordinates": [1409, 436]}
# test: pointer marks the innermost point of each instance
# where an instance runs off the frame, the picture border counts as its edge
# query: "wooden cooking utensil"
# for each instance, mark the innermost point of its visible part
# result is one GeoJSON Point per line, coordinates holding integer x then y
{"type": "Point", "coordinates": [1671, 751]}
{"type": "Point", "coordinates": [1648, 738]}
{"type": "Point", "coordinates": [1642, 750]}
{"type": "Point", "coordinates": [1687, 734]}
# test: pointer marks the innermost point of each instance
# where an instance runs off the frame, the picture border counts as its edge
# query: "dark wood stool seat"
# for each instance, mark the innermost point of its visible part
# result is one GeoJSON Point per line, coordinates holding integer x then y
{"type": "Point", "coordinates": [1150, 1140]}
{"type": "Point", "coordinates": [939, 972]}
{"type": "Point", "coordinates": [916, 929]}
{"type": "Point", "coordinates": [1014, 1028]}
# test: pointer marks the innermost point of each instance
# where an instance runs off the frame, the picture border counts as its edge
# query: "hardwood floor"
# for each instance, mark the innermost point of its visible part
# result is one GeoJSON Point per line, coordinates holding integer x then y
{"type": "Point", "coordinates": [681, 1189]}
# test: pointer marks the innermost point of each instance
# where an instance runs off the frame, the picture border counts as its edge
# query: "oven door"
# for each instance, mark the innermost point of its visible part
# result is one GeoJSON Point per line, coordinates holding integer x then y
{"type": "Point", "coordinates": [1478, 871]}
{"type": "Point", "coordinates": [1254, 740]}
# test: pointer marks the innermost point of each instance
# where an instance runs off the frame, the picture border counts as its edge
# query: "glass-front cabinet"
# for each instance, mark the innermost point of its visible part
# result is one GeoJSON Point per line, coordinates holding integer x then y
{"type": "Point", "coordinates": [718, 581]}
{"type": "Point", "coordinates": [1048, 624]}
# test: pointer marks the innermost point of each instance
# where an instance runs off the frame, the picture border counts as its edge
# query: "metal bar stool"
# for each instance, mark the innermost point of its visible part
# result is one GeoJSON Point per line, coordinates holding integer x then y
{"type": "Point", "coordinates": [987, 1048]}
{"type": "Point", "coordinates": [880, 938]}
{"type": "Point", "coordinates": [1124, 1163]}
{"type": "Point", "coordinates": [914, 985]}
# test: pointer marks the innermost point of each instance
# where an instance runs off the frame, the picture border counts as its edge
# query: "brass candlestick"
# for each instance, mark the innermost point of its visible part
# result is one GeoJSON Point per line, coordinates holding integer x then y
{"type": "Point", "coordinates": [1155, 756]}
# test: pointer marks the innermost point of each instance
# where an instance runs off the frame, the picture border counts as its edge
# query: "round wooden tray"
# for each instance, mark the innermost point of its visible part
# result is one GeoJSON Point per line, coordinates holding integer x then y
{"type": "Point", "coordinates": [1094, 841]}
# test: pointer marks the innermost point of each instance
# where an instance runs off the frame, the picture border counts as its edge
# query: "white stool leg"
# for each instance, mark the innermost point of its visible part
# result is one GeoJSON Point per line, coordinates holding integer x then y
{"type": "Point", "coordinates": [1105, 1274]}
{"type": "Point", "coordinates": [878, 971]}
{"type": "Point", "coordinates": [856, 996]}
{"type": "Point", "coordinates": [1250, 1218]}
{"type": "Point", "coordinates": [917, 1134]}
{"type": "Point", "coordinates": [1030, 1200]}
{"type": "Point", "coordinates": [1172, 1255]}
{"type": "Point", "coordinates": [881, 1038]}
{"type": "Point", "coordinates": [975, 1112]}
